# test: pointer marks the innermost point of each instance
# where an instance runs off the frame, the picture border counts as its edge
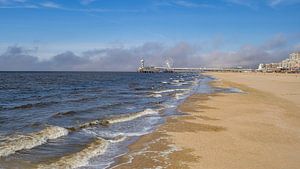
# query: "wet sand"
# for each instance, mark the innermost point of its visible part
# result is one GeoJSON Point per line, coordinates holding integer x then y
{"type": "Point", "coordinates": [259, 128]}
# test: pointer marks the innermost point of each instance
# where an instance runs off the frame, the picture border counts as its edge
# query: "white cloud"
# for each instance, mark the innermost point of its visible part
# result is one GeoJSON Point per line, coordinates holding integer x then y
{"type": "Point", "coordinates": [122, 58]}
{"type": "Point", "coordinates": [248, 3]}
{"type": "Point", "coordinates": [11, 1]}
{"type": "Point", "coordinates": [183, 3]}
{"type": "Point", "coordinates": [187, 4]}
{"type": "Point", "coordinates": [50, 4]}
{"type": "Point", "coordinates": [255, 4]}
{"type": "Point", "coordinates": [275, 3]}
{"type": "Point", "coordinates": [86, 2]}
{"type": "Point", "coordinates": [26, 4]}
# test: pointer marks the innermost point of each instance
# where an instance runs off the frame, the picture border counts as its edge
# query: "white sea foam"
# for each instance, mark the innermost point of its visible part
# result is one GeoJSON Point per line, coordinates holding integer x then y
{"type": "Point", "coordinates": [155, 95]}
{"type": "Point", "coordinates": [180, 84]}
{"type": "Point", "coordinates": [29, 141]}
{"type": "Point", "coordinates": [176, 84]}
{"type": "Point", "coordinates": [79, 159]}
{"type": "Point", "coordinates": [164, 91]}
{"type": "Point", "coordinates": [236, 90]}
{"type": "Point", "coordinates": [169, 90]}
{"type": "Point", "coordinates": [161, 154]}
{"type": "Point", "coordinates": [169, 105]}
{"type": "Point", "coordinates": [117, 139]}
{"type": "Point", "coordinates": [183, 89]}
{"type": "Point", "coordinates": [119, 136]}
{"type": "Point", "coordinates": [117, 119]}
{"type": "Point", "coordinates": [113, 138]}
{"type": "Point", "coordinates": [131, 116]}
{"type": "Point", "coordinates": [180, 95]}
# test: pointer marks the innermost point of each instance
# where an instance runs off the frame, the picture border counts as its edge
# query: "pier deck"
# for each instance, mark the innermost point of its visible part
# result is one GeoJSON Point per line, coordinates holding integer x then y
{"type": "Point", "coordinates": [175, 70]}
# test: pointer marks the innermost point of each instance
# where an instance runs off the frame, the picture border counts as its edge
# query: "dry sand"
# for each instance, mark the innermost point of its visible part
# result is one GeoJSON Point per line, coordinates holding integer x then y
{"type": "Point", "coordinates": [257, 129]}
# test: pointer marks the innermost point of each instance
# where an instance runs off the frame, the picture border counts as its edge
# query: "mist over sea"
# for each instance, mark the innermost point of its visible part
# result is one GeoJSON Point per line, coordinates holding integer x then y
{"type": "Point", "coordinates": [84, 119]}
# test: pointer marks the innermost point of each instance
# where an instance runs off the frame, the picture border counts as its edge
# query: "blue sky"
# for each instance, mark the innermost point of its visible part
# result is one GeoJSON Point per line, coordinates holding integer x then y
{"type": "Point", "coordinates": [48, 28]}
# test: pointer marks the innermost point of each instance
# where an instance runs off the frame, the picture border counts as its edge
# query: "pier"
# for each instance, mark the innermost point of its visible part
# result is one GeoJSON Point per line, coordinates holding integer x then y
{"type": "Point", "coordinates": [187, 70]}
{"type": "Point", "coordinates": [155, 69]}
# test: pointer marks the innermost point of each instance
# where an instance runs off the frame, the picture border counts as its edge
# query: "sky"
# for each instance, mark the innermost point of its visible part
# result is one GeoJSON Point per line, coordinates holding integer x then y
{"type": "Point", "coordinates": [113, 35]}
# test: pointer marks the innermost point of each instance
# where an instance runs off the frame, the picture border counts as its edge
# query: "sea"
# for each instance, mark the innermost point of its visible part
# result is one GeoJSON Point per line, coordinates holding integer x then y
{"type": "Point", "coordinates": [85, 119]}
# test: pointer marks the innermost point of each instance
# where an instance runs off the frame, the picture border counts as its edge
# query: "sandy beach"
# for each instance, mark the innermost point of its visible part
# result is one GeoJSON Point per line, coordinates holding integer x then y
{"type": "Point", "coordinates": [256, 129]}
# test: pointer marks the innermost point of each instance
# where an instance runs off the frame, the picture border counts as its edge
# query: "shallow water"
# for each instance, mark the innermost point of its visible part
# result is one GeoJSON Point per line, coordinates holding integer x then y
{"type": "Point", "coordinates": [84, 119]}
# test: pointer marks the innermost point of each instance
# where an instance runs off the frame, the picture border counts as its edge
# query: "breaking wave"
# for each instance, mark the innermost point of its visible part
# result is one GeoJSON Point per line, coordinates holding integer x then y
{"type": "Point", "coordinates": [164, 91]}
{"type": "Point", "coordinates": [79, 159]}
{"type": "Point", "coordinates": [155, 95]}
{"type": "Point", "coordinates": [117, 139]}
{"type": "Point", "coordinates": [111, 137]}
{"type": "Point", "coordinates": [169, 90]}
{"type": "Point", "coordinates": [29, 141]}
{"type": "Point", "coordinates": [131, 116]}
{"type": "Point", "coordinates": [180, 84]}
{"type": "Point", "coordinates": [118, 119]}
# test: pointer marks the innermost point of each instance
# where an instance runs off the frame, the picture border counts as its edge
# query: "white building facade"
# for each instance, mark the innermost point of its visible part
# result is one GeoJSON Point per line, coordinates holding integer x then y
{"type": "Point", "coordinates": [291, 64]}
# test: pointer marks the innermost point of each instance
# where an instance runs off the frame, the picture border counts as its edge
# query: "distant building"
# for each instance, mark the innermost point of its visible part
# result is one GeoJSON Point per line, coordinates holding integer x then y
{"type": "Point", "coordinates": [261, 67]}
{"type": "Point", "coordinates": [291, 64]}
{"type": "Point", "coordinates": [295, 56]}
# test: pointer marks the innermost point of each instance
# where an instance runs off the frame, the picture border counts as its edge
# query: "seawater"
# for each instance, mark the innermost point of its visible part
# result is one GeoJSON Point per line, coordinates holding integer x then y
{"type": "Point", "coordinates": [84, 119]}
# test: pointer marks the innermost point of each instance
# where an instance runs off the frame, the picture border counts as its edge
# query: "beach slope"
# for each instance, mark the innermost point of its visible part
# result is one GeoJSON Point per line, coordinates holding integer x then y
{"type": "Point", "coordinates": [258, 128]}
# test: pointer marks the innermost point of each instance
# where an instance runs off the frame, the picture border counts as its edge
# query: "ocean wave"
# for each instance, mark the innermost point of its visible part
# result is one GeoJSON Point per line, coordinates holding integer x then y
{"type": "Point", "coordinates": [31, 105]}
{"type": "Point", "coordinates": [169, 91]}
{"type": "Point", "coordinates": [155, 95]}
{"type": "Point", "coordinates": [183, 94]}
{"type": "Point", "coordinates": [84, 99]}
{"type": "Point", "coordinates": [79, 159]}
{"type": "Point", "coordinates": [101, 122]}
{"type": "Point", "coordinates": [179, 95]}
{"type": "Point", "coordinates": [142, 88]}
{"type": "Point", "coordinates": [164, 91]}
{"type": "Point", "coordinates": [132, 116]}
{"type": "Point", "coordinates": [117, 139]}
{"type": "Point", "coordinates": [176, 84]}
{"type": "Point", "coordinates": [16, 143]}
{"type": "Point", "coordinates": [102, 107]}
{"type": "Point", "coordinates": [180, 84]}
{"type": "Point", "coordinates": [111, 137]}
{"type": "Point", "coordinates": [165, 105]}
{"type": "Point", "coordinates": [112, 120]}
{"type": "Point", "coordinates": [108, 106]}
{"type": "Point", "coordinates": [62, 114]}
{"type": "Point", "coordinates": [182, 89]}
{"type": "Point", "coordinates": [117, 136]}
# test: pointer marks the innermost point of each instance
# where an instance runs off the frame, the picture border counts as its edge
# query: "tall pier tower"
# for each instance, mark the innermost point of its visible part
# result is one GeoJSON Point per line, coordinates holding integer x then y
{"type": "Point", "coordinates": [142, 63]}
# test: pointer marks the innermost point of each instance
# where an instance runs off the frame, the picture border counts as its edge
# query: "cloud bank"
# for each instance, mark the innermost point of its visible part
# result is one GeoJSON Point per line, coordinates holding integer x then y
{"type": "Point", "coordinates": [271, 3]}
{"type": "Point", "coordinates": [182, 54]}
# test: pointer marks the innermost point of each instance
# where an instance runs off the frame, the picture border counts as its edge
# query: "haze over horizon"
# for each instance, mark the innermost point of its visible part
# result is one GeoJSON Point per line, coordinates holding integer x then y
{"type": "Point", "coordinates": [100, 35]}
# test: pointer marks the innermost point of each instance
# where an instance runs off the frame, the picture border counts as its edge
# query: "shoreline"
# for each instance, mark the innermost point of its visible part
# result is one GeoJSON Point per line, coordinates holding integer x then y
{"type": "Point", "coordinates": [255, 129]}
